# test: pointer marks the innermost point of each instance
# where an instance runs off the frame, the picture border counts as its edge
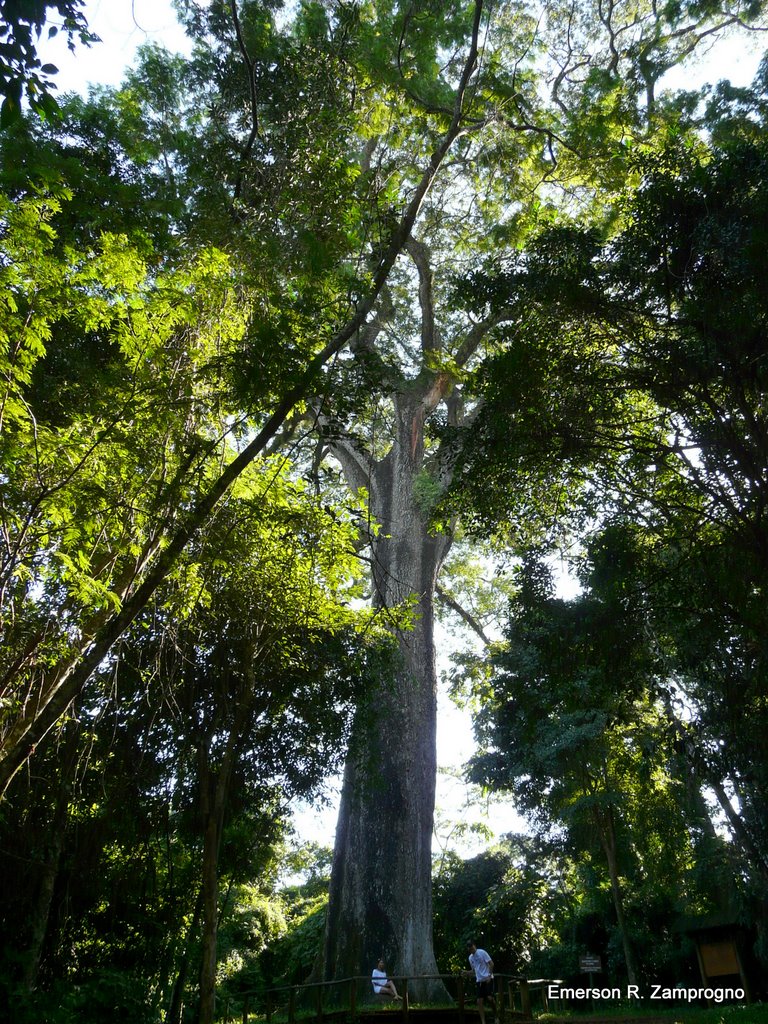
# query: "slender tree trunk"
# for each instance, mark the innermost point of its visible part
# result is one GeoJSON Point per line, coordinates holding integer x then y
{"type": "Point", "coordinates": [214, 793]}
{"type": "Point", "coordinates": [215, 790]}
{"type": "Point", "coordinates": [608, 839]}
{"type": "Point", "coordinates": [697, 773]}
{"type": "Point", "coordinates": [381, 896]}
{"type": "Point", "coordinates": [40, 910]}
{"type": "Point", "coordinates": [177, 996]}
{"type": "Point", "coordinates": [741, 833]}
{"type": "Point", "coordinates": [210, 891]}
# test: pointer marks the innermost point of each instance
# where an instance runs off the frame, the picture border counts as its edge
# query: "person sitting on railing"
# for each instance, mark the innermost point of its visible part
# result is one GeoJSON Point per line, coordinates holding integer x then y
{"type": "Point", "coordinates": [382, 985]}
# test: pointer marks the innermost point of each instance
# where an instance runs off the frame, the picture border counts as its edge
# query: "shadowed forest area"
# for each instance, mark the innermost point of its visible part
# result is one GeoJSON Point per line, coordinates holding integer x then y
{"type": "Point", "coordinates": [366, 316]}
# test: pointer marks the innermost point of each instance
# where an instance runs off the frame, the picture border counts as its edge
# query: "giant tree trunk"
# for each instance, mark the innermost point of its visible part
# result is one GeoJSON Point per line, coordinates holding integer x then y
{"type": "Point", "coordinates": [381, 897]}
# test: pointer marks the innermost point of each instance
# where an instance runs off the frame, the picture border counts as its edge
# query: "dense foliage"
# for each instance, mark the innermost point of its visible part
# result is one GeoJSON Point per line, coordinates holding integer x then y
{"type": "Point", "coordinates": [610, 714]}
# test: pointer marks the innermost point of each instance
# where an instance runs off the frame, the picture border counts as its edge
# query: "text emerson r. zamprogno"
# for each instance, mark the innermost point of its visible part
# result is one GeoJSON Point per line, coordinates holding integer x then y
{"type": "Point", "coordinates": [672, 995]}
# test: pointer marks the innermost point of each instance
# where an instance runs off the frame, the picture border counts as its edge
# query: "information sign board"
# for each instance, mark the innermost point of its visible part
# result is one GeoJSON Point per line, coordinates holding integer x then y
{"type": "Point", "coordinates": [590, 963]}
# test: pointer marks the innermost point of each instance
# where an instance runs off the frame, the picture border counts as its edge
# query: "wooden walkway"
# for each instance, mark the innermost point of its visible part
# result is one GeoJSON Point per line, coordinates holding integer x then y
{"type": "Point", "coordinates": [351, 1000]}
{"type": "Point", "coordinates": [440, 1014]}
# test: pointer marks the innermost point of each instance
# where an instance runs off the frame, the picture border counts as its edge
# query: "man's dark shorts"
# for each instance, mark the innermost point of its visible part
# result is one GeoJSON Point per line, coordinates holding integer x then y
{"type": "Point", "coordinates": [484, 988]}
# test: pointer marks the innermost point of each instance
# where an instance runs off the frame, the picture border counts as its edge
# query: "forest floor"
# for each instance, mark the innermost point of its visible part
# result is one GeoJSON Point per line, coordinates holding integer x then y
{"type": "Point", "coordinates": [754, 1014]}
{"type": "Point", "coordinates": [757, 1013]}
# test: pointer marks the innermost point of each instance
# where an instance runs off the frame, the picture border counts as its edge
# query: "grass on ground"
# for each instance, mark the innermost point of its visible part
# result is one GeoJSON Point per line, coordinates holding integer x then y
{"type": "Point", "coordinates": [755, 1014]}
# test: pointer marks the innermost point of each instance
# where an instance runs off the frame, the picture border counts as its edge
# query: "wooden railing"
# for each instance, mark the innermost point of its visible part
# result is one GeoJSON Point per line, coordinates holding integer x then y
{"type": "Point", "coordinates": [353, 997]}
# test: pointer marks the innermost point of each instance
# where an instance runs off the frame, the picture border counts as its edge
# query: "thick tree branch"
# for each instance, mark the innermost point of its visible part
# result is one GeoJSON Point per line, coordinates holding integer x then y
{"type": "Point", "coordinates": [420, 255]}
{"type": "Point", "coordinates": [467, 617]}
{"type": "Point", "coordinates": [356, 462]}
{"type": "Point", "coordinates": [478, 332]}
{"type": "Point", "coordinates": [364, 348]}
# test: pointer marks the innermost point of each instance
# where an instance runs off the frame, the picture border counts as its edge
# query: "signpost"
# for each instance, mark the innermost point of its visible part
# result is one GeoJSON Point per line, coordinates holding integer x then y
{"type": "Point", "coordinates": [590, 964]}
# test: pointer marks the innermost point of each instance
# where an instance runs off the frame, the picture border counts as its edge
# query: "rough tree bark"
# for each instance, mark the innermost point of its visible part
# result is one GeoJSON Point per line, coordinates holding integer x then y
{"type": "Point", "coordinates": [381, 898]}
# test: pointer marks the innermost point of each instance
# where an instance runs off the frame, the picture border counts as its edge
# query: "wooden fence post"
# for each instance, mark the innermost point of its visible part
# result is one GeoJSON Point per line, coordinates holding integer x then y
{"type": "Point", "coordinates": [269, 1007]}
{"type": "Point", "coordinates": [353, 998]}
{"type": "Point", "coordinates": [460, 994]}
{"type": "Point", "coordinates": [525, 999]}
{"type": "Point", "coordinates": [319, 1000]}
{"type": "Point", "coordinates": [292, 1006]}
{"type": "Point", "coordinates": [246, 1008]}
{"type": "Point", "coordinates": [406, 1001]}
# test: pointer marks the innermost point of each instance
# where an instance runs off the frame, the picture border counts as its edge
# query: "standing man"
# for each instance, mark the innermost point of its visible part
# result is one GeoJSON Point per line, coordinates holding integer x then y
{"type": "Point", "coordinates": [482, 965]}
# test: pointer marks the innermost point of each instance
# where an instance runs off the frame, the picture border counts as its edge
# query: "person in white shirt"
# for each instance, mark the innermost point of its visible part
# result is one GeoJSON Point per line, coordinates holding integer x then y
{"type": "Point", "coordinates": [482, 965]}
{"type": "Point", "coordinates": [382, 985]}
